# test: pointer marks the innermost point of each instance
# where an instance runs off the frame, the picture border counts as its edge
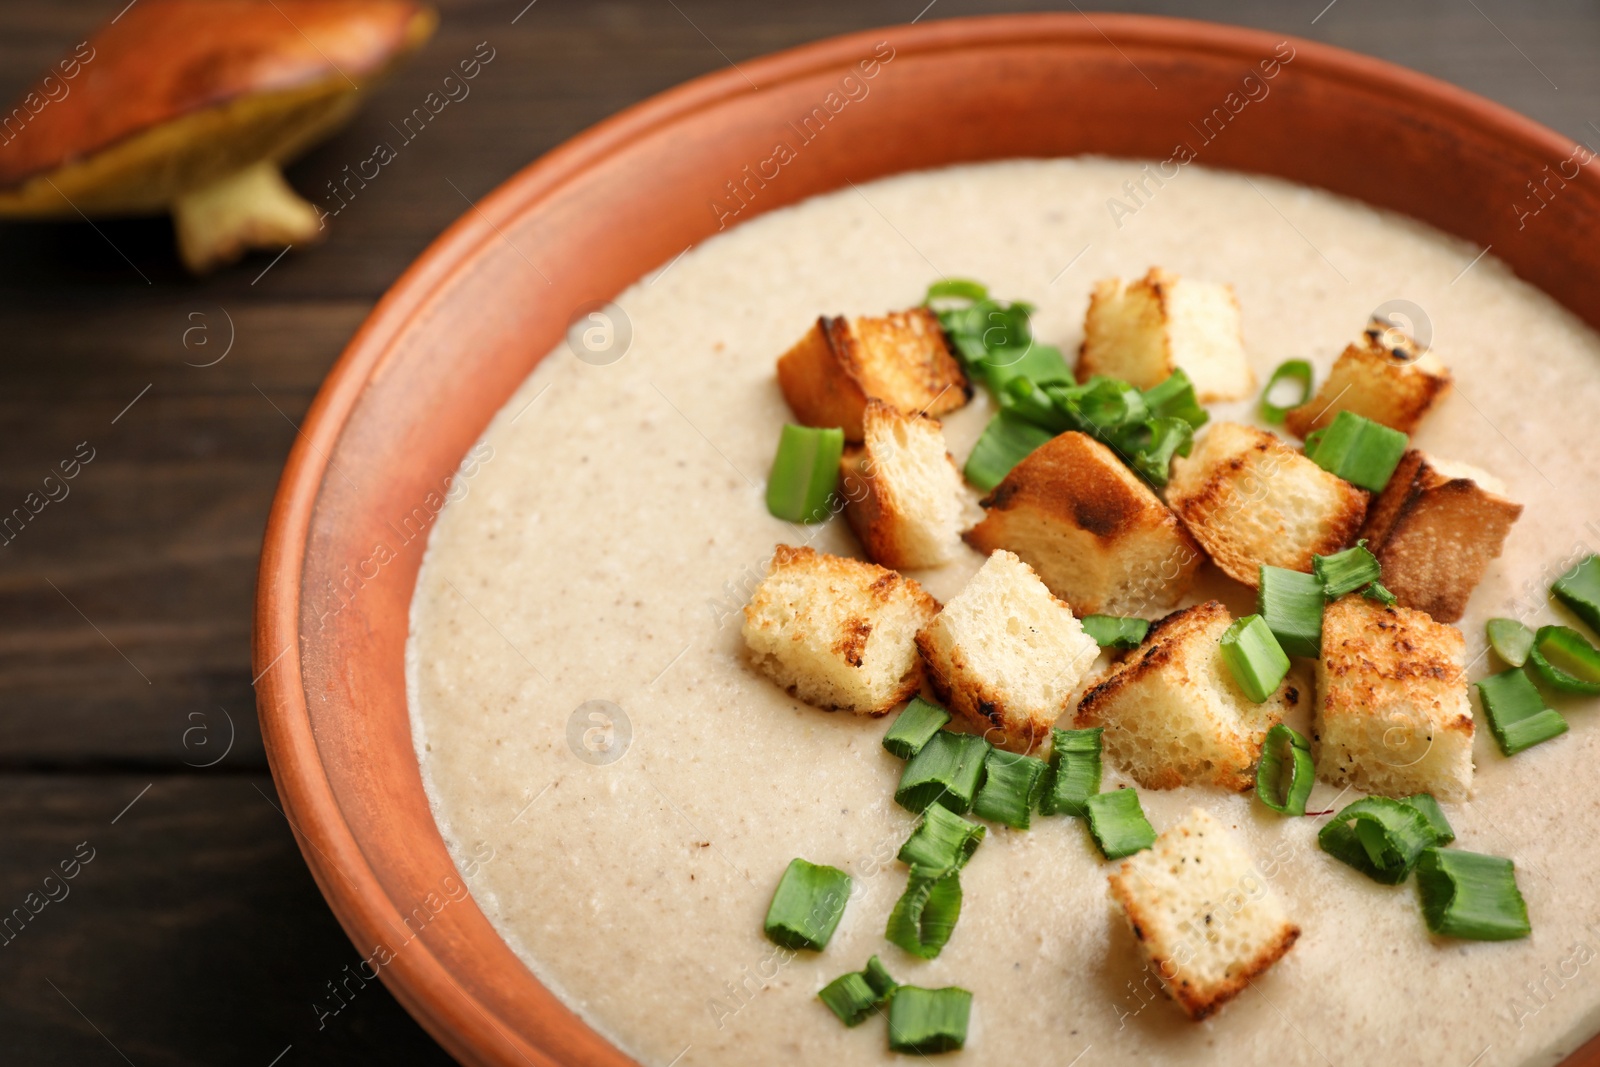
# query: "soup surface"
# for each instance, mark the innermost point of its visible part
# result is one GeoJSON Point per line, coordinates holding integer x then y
{"type": "Point", "coordinates": [611, 529]}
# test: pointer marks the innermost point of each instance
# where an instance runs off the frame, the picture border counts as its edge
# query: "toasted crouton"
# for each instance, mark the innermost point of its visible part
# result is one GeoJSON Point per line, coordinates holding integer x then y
{"type": "Point", "coordinates": [837, 633]}
{"type": "Point", "coordinates": [1392, 711]}
{"type": "Point", "coordinates": [1005, 654]}
{"type": "Point", "coordinates": [1096, 534]}
{"type": "Point", "coordinates": [1204, 917]}
{"type": "Point", "coordinates": [903, 495]}
{"type": "Point", "coordinates": [1250, 499]}
{"type": "Point", "coordinates": [902, 359]}
{"type": "Point", "coordinates": [1434, 528]}
{"type": "Point", "coordinates": [1386, 376]}
{"type": "Point", "coordinates": [1173, 713]}
{"type": "Point", "coordinates": [1143, 331]}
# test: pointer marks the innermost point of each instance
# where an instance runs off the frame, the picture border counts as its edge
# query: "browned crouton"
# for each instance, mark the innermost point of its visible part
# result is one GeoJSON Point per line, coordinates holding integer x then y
{"type": "Point", "coordinates": [1250, 499]}
{"type": "Point", "coordinates": [903, 494]}
{"type": "Point", "coordinates": [1386, 376]}
{"type": "Point", "coordinates": [1435, 527]}
{"type": "Point", "coordinates": [1096, 534]}
{"type": "Point", "coordinates": [902, 359]}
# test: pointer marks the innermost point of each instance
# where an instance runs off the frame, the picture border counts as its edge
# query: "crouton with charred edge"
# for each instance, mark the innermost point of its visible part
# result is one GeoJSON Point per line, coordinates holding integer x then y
{"type": "Point", "coordinates": [1142, 331]}
{"type": "Point", "coordinates": [903, 494]}
{"type": "Point", "coordinates": [1249, 499]}
{"type": "Point", "coordinates": [1005, 655]}
{"type": "Point", "coordinates": [1434, 528]}
{"type": "Point", "coordinates": [1386, 376]}
{"type": "Point", "coordinates": [1174, 714]}
{"type": "Point", "coordinates": [1091, 528]}
{"type": "Point", "coordinates": [837, 633]}
{"type": "Point", "coordinates": [1392, 714]}
{"type": "Point", "coordinates": [902, 359]}
{"type": "Point", "coordinates": [1203, 915]}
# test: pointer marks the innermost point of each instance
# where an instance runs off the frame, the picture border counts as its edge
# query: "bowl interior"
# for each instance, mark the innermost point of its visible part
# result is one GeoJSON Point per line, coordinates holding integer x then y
{"type": "Point", "coordinates": [454, 338]}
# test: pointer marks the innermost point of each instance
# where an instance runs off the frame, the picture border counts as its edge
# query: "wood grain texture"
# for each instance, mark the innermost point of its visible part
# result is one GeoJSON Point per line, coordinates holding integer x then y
{"type": "Point", "coordinates": [198, 936]}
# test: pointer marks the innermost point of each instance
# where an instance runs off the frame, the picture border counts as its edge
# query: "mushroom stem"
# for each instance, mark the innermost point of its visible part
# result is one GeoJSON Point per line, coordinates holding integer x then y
{"type": "Point", "coordinates": [253, 208]}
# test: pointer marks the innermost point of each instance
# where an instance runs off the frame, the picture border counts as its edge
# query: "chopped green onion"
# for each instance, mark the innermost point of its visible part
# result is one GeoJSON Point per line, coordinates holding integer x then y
{"type": "Point", "coordinates": [1115, 631]}
{"type": "Point", "coordinates": [1033, 362]}
{"type": "Point", "coordinates": [1472, 896]}
{"type": "Point", "coordinates": [1379, 837]}
{"type": "Point", "coordinates": [879, 978]}
{"type": "Point", "coordinates": [1579, 590]}
{"type": "Point", "coordinates": [929, 1021]}
{"type": "Point", "coordinates": [1516, 712]}
{"type": "Point", "coordinates": [1566, 660]}
{"type": "Point", "coordinates": [1285, 773]}
{"type": "Point", "coordinates": [1443, 833]}
{"type": "Point", "coordinates": [854, 996]}
{"type": "Point", "coordinates": [807, 905]}
{"type": "Point", "coordinates": [1118, 824]}
{"type": "Point", "coordinates": [925, 915]}
{"type": "Point", "coordinates": [1005, 442]}
{"type": "Point", "coordinates": [1377, 592]}
{"type": "Point", "coordinates": [946, 770]}
{"type": "Point", "coordinates": [1355, 448]}
{"type": "Point", "coordinates": [1345, 572]}
{"type": "Point", "coordinates": [1173, 398]}
{"type": "Point", "coordinates": [920, 720]}
{"type": "Point", "coordinates": [804, 473]}
{"type": "Point", "coordinates": [1012, 784]}
{"type": "Point", "coordinates": [1290, 370]}
{"type": "Point", "coordinates": [1074, 771]}
{"type": "Point", "coordinates": [1510, 640]}
{"type": "Point", "coordinates": [957, 288]}
{"type": "Point", "coordinates": [942, 839]}
{"type": "Point", "coordinates": [1291, 602]}
{"type": "Point", "coordinates": [1253, 655]}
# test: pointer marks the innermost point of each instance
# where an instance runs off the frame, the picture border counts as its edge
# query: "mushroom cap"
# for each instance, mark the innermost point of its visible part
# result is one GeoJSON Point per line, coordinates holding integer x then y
{"type": "Point", "coordinates": [177, 94]}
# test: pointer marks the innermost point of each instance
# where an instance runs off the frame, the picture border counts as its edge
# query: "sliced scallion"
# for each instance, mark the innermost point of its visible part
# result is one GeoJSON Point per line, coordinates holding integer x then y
{"type": "Point", "coordinates": [1566, 660]}
{"type": "Point", "coordinates": [1443, 833]}
{"type": "Point", "coordinates": [879, 978]}
{"type": "Point", "coordinates": [1379, 837]}
{"type": "Point", "coordinates": [1471, 896]}
{"type": "Point", "coordinates": [1345, 572]}
{"type": "Point", "coordinates": [1117, 822]}
{"type": "Point", "coordinates": [1173, 398]}
{"type": "Point", "coordinates": [1115, 631]}
{"type": "Point", "coordinates": [1291, 602]}
{"type": "Point", "coordinates": [1377, 592]}
{"type": "Point", "coordinates": [912, 728]}
{"type": "Point", "coordinates": [1253, 655]}
{"type": "Point", "coordinates": [1516, 712]}
{"type": "Point", "coordinates": [854, 996]}
{"type": "Point", "coordinates": [957, 288]}
{"type": "Point", "coordinates": [1290, 370]}
{"type": "Point", "coordinates": [1353, 447]}
{"type": "Point", "coordinates": [1012, 783]}
{"type": "Point", "coordinates": [807, 905]}
{"type": "Point", "coordinates": [946, 770]}
{"type": "Point", "coordinates": [1510, 640]}
{"type": "Point", "coordinates": [1579, 589]}
{"type": "Point", "coordinates": [805, 473]}
{"type": "Point", "coordinates": [926, 913]}
{"type": "Point", "coordinates": [942, 839]}
{"type": "Point", "coordinates": [1005, 442]}
{"type": "Point", "coordinates": [929, 1021]}
{"type": "Point", "coordinates": [1074, 771]}
{"type": "Point", "coordinates": [1285, 773]}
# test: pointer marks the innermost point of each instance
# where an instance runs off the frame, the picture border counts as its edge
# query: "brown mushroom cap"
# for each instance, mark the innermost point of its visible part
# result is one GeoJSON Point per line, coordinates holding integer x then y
{"type": "Point", "coordinates": [179, 94]}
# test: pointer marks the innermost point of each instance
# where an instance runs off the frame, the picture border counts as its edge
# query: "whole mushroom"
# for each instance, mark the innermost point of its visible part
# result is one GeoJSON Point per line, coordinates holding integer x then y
{"type": "Point", "coordinates": [191, 106]}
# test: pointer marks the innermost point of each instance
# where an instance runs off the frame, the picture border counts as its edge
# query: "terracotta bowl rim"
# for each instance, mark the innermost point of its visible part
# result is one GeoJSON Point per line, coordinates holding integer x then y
{"type": "Point", "coordinates": [331, 848]}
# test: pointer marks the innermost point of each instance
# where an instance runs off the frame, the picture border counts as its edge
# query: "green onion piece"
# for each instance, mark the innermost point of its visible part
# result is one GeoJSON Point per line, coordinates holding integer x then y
{"type": "Point", "coordinates": [1005, 442]}
{"type": "Point", "coordinates": [807, 905]}
{"type": "Point", "coordinates": [1012, 785]}
{"type": "Point", "coordinates": [925, 915]}
{"type": "Point", "coordinates": [1115, 631]}
{"type": "Point", "coordinates": [1355, 448]}
{"type": "Point", "coordinates": [1516, 712]}
{"type": "Point", "coordinates": [1028, 402]}
{"type": "Point", "coordinates": [1443, 833]}
{"type": "Point", "coordinates": [804, 473]}
{"type": "Point", "coordinates": [1118, 824]}
{"type": "Point", "coordinates": [1379, 837]}
{"type": "Point", "coordinates": [1152, 449]}
{"type": "Point", "coordinates": [1345, 572]}
{"type": "Point", "coordinates": [854, 996]}
{"type": "Point", "coordinates": [957, 288]}
{"type": "Point", "coordinates": [929, 1021]}
{"type": "Point", "coordinates": [1034, 362]}
{"type": "Point", "coordinates": [1074, 771]}
{"type": "Point", "coordinates": [942, 839]}
{"type": "Point", "coordinates": [1510, 640]}
{"type": "Point", "coordinates": [1285, 773]}
{"type": "Point", "coordinates": [1254, 656]}
{"type": "Point", "coordinates": [1377, 592]}
{"type": "Point", "coordinates": [946, 770]}
{"type": "Point", "coordinates": [1290, 370]}
{"type": "Point", "coordinates": [1472, 896]}
{"type": "Point", "coordinates": [1579, 590]}
{"type": "Point", "coordinates": [1173, 398]}
{"type": "Point", "coordinates": [920, 720]}
{"type": "Point", "coordinates": [879, 978]}
{"type": "Point", "coordinates": [1566, 660]}
{"type": "Point", "coordinates": [1291, 602]}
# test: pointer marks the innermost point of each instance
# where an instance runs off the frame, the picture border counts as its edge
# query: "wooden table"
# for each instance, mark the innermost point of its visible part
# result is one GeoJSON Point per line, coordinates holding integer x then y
{"type": "Point", "coordinates": [194, 934]}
